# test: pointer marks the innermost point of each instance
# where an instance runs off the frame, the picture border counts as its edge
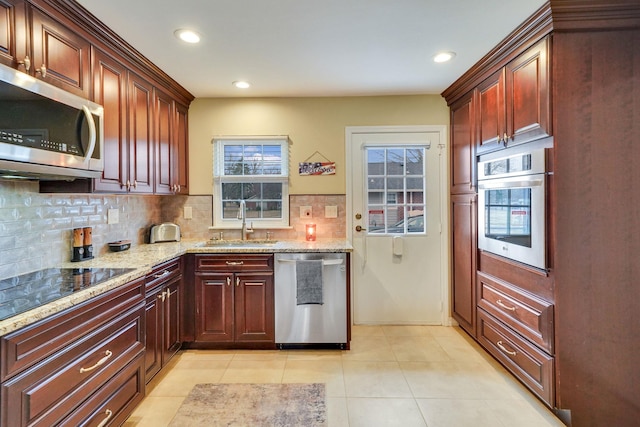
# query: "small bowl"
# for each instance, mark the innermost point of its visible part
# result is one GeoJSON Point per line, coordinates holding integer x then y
{"type": "Point", "coordinates": [120, 245]}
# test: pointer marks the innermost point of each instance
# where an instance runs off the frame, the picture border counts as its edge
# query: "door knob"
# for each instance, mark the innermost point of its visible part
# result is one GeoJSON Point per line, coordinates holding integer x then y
{"type": "Point", "coordinates": [359, 228]}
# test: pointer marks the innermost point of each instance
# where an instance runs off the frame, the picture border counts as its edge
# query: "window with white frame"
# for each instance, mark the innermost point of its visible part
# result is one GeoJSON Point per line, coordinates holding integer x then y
{"type": "Point", "coordinates": [254, 170]}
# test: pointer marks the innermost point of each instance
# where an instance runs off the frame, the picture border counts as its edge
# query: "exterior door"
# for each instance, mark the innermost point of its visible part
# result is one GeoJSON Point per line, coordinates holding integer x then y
{"type": "Point", "coordinates": [395, 221]}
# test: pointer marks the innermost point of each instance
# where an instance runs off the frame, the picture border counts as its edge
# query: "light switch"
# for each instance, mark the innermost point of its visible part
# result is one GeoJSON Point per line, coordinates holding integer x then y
{"type": "Point", "coordinates": [113, 216]}
{"type": "Point", "coordinates": [188, 212]}
{"type": "Point", "coordinates": [331, 212]}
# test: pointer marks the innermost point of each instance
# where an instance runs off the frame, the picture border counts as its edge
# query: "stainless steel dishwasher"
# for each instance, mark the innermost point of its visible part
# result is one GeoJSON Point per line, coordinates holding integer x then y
{"type": "Point", "coordinates": [300, 325]}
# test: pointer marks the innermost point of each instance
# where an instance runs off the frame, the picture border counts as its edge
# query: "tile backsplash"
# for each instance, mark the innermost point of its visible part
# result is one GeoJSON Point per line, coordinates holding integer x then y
{"type": "Point", "coordinates": [36, 229]}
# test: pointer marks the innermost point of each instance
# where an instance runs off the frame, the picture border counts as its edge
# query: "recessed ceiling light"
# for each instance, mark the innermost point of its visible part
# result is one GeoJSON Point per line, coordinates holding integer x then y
{"type": "Point", "coordinates": [241, 84]}
{"type": "Point", "coordinates": [188, 36]}
{"type": "Point", "coordinates": [444, 56]}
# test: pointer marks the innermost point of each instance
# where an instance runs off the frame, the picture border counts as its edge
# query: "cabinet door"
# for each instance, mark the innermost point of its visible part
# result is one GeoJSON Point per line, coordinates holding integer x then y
{"type": "Point", "coordinates": [172, 319]}
{"type": "Point", "coordinates": [214, 307]}
{"type": "Point", "coordinates": [181, 145]}
{"type": "Point", "coordinates": [163, 126]}
{"type": "Point", "coordinates": [60, 55]}
{"type": "Point", "coordinates": [463, 145]}
{"type": "Point", "coordinates": [253, 298]}
{"type": "Point", "coordinates": [153, 341]}
{"type": "Point", "coordinates": [140, 135]}
{"type": "Point", "coordinates": [13, 33]}
{"type": "Point", "coordinates": [110, 91]}
{"type": "Point", "coordinates": [464, 253]}
{"type": "Point", "coordinates": [491, 112]}
{"type": "Point", "coordinates": [528, 101]}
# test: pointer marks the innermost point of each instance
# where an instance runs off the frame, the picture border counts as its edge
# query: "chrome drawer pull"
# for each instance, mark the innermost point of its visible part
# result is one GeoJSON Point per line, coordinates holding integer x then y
{"type": "Point", "coordinates": [235, 262]}
{"type": "Point", "coordinates": [102, 361]}
{"type": "Point", "coordinates": [503, 305]}
{"type": "Point", "coordinates": [503, 348]}
{"type": "Point", "coordinates": [159, 276]}
{"type": "Point", "coordinates": [108, 414]}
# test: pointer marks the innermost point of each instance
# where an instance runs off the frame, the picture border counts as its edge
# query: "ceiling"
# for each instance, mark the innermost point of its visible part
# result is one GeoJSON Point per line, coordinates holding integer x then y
{"type": "Point", "coordinates": [292, 48]}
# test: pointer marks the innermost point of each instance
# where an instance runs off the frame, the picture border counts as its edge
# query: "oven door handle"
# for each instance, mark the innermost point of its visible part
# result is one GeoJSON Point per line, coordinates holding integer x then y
{"type": "Point", "coordinates": [520, 183]}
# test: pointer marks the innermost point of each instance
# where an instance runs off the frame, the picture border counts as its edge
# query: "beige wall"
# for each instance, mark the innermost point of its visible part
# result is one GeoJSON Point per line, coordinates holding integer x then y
{"type": "Point", "coordinates": [313, 124]}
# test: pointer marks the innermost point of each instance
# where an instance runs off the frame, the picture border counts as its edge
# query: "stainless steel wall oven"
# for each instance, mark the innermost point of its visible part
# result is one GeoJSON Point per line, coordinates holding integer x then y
{"type": "Point", "coordinates": [512, 207]}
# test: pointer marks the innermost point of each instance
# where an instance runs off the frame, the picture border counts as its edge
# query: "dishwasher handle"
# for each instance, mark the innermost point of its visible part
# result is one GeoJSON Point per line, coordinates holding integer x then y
{"type": "Point", "coordinates": [324, 261]}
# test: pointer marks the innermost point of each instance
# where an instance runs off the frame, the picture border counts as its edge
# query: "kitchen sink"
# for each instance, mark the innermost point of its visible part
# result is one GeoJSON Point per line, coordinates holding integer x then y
{"type": "Point", "coordinates": [238, 242]}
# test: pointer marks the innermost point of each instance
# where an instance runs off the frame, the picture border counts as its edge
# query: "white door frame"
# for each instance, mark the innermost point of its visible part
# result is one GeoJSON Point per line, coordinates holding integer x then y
{"type": "Point", "coordinates": [350, 131]}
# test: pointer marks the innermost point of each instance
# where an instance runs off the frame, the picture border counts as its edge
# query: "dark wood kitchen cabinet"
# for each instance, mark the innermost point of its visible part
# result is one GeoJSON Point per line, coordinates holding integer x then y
{"type": "Point", "coordinates": [163, 315]}
{"type": "Point", "coordinates": [146, 112]}
{"type": "Point", "coordinates": [48, 48]}
{"type": "Point", "coordinates": [463, 260]}
{"type": "Point", "coordinates": [80, 366]}
{"type": "Point", "coordinates": [13, 33]}
{"type": "Point", "coordinates": [234, 300]}
{"type": "Point", "coordinates": [171, 139]}
{"type": "Point", "coordinates": [514, 103]}
{"type": "Point", "coordinates": [61, 55]}
{"type": "Point", "coordinates": [556, 329]}
{"type": "Point", "coordinates": [463, 140]}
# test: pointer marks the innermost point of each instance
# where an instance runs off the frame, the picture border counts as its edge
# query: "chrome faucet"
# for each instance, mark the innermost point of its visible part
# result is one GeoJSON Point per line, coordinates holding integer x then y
{"type": "Point", "coordinates": [242, 214]}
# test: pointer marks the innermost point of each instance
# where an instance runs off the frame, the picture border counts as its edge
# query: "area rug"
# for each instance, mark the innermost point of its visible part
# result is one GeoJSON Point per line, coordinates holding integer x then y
{"type": "Point", "coordinates": [253, 405]}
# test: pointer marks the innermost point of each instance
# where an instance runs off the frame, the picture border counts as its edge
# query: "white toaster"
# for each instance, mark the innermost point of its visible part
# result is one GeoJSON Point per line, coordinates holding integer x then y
{"type": "Point", "coordinates": [166, 232]}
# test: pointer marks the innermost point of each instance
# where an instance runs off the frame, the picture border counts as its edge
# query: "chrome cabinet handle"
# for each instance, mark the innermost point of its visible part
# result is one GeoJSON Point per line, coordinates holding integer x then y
{"type": "Point", "coordinates": [105, 421]}
{"type": "Point", "coordinates": [228, 281]}
{"type": "Point", "coordinates": [506, 307]}
{"type": "Point", "coordinates": [162, 296]}
{"type": "Point", "coordinates": [100, 362]}
{"type": "Point", "coordinates": [161, 275]}
{"type": "Point", "coordinates": [235, 262]}
{"type": "Point", "coordinates": [503, 348]}
{"type": "Point", "coordinates": [237, 281]}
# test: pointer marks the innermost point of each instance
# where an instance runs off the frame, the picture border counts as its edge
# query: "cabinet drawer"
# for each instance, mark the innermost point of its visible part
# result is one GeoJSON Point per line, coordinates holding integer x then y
{"type": "Point", "coordinates": [231, 262]}
{"type": "Point", "coordinates": [115, 401]}
{"type": "Point", "coordinates": [530, 365]}
{"type": "Point", "coordinates": [27, 346]}
{"type": "Point", "coordinates": [530, 316]}
{"type": "Point", "coordinates": [51, 390]}
{"type": "Point", "coordinates": [163, 273]}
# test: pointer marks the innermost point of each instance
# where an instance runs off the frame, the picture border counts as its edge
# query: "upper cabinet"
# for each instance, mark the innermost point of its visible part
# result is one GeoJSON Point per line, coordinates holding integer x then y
{"type": "Point", "coordinates": [463, 137]}
{"type": "Point", "coordinates": [44, 47]}
{"type": "Point", "coordinates": [13, 32]}
{"type": "Point", "coordinates": [514, 103]}
{"type": "Point", "coordinates": [145, 112]}
{"type": "Point", "coordinates": [60, 55]}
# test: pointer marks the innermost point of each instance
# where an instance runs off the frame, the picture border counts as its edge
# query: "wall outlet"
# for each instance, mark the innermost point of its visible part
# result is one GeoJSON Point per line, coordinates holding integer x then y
{"type": "Point", "coordinates": [188, 212]}
{"type": "Point", "coordinates": [113, 216]}
{"type": "Point", "coordinates": [331, 212]}
{"type": "Point", "coordinates": [305, 212]}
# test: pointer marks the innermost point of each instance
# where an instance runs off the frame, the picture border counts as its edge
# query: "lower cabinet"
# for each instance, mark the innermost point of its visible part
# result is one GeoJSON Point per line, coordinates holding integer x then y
{"type": "Point", "coordinates": [516, 326]}
{"type": "Point", "coordinates": [163, 316]}
{"type": "Point", "coordinates": [463, 260]}
{"type": "Point", "coordinates": [82, 365]}
{"type": "Point", "coordinates": [234, 299]}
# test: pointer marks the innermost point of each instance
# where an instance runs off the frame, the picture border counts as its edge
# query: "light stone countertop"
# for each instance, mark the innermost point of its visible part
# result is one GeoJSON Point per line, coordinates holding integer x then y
{"type": "Point", "coordinates": [144, 257]}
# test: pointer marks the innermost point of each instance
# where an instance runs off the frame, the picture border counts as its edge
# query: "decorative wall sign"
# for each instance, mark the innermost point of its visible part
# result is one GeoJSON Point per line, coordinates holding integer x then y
{"type": "Point", "coordinates": [317, 168]}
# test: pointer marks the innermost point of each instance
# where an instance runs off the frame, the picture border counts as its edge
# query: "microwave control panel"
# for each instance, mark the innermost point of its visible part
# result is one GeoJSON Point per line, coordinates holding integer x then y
{"type": "Point", "coordinates": [35, 138]}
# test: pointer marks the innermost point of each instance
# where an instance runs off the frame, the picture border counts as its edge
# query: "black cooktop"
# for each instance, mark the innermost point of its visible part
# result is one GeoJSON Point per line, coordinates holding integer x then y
{"type": "Point", "coordinates": [22, 293]}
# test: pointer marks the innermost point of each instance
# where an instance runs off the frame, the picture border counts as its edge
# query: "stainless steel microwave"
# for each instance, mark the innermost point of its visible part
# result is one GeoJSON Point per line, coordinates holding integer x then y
{"type": "Point", "coordinates": [46, 132]}
{"type": "Point", "coordinates": [512, 207]}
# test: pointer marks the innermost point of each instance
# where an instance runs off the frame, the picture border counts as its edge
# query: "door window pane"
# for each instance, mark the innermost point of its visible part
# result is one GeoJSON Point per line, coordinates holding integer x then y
{"type": "Point", "coordinates": [395, 190]}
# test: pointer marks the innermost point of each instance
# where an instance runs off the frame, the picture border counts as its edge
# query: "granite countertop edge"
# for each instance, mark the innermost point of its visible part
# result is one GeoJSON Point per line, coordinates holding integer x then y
{"type": "Point", "coordinates": [142, 258]}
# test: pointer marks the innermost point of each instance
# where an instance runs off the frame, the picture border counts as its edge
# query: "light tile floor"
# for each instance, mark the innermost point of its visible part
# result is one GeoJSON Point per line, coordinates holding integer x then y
{"type": "Point", "coordinates": [393, 376]}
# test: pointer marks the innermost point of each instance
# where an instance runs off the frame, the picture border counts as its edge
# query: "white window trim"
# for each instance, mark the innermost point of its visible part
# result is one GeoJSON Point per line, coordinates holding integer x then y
{"type": "Point", "coordinates": [218, 170]}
